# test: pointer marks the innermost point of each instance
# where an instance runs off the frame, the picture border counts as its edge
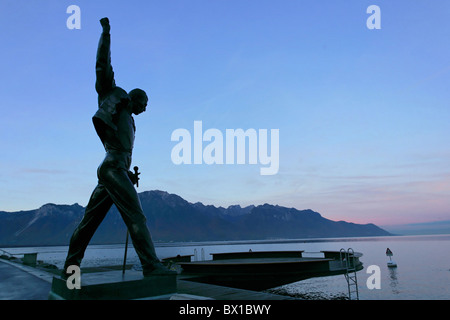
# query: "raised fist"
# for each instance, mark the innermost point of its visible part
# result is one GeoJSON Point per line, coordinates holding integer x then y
{"type": "Point", "coordinates": [105, 24]}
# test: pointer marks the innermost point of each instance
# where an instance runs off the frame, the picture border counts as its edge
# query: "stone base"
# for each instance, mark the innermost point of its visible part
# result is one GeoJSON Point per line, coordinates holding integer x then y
{"type": "Point", "coordinates": [112, 285]}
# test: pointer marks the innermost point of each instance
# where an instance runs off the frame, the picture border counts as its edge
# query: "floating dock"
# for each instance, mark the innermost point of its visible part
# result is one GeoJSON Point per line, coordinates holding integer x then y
{"type": "Point", "coordinates": [262, 270]}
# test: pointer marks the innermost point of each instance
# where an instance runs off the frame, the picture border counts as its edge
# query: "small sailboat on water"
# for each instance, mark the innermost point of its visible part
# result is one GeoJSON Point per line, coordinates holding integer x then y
{"type": "Point", "coordinates": [391, 263]}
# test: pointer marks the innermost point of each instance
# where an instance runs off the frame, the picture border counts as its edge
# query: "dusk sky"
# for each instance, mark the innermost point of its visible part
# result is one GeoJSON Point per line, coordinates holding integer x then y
{"type": "Point", "coordinates": [363, 115]}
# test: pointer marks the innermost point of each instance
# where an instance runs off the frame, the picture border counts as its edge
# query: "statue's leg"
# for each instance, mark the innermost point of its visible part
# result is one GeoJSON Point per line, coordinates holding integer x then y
{"type": "Point", "coordinates": [125, 197]}
{"type": "Point", "coordinates": [96, 210]}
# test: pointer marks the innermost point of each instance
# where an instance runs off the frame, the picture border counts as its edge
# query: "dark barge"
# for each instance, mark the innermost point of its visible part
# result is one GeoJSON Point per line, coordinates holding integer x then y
{"type": "Point", "coordinates": [260, 270]}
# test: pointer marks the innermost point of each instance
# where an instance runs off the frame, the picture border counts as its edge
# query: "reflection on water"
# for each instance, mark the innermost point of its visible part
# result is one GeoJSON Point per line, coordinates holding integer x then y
{"type": "Point", "coordinates": [394, 280]}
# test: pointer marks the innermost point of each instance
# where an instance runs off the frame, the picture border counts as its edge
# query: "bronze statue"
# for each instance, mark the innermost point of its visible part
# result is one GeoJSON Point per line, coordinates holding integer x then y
{"type": "Point", "coordinates": [115, 127]}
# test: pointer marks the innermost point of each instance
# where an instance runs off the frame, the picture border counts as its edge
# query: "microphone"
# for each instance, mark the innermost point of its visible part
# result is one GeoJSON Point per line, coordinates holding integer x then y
{"type": "Point", "coordinates": [136, 173]}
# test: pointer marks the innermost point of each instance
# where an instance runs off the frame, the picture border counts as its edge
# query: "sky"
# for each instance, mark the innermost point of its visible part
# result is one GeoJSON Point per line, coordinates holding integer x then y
{"type": "Point", "coordinates": [363, 114]}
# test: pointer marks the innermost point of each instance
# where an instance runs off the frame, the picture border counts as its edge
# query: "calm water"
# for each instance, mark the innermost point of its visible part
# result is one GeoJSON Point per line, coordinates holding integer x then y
{"type": "Point", "coordinates": [423, 270]}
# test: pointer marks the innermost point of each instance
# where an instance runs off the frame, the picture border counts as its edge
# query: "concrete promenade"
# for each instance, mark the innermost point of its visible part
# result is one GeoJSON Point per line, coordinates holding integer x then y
{"type": "Point", "coordinates": [19, 282]}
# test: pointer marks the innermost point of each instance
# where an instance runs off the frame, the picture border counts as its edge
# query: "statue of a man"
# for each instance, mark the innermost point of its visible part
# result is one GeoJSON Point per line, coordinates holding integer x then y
{"type": "Point", "coordinates": [115, 127]}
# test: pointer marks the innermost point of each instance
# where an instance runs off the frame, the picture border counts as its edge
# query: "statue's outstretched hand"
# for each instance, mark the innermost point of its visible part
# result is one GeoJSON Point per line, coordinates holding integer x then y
{"type": "Point", "coordinates": [105, 24]}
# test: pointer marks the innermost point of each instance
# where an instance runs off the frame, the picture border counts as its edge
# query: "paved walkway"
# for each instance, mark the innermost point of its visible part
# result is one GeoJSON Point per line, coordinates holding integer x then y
{"type": "Point", "coordinates": [17, 283]}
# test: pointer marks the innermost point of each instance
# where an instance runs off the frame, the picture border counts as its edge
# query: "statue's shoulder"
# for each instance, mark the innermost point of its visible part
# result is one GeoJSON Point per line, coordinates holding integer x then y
{"type": "Point", "coordinates": [113, 97]}
{"type": "Point", "coordinates": [108, 106]}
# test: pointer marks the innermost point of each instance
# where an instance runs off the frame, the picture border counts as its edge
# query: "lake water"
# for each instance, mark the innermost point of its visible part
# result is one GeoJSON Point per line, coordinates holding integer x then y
{"type": "Point", "coordinates": [423, 270]}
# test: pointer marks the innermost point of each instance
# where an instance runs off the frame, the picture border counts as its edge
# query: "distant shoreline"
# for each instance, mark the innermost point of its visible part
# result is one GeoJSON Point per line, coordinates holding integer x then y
{"type": "Point", "coordinates": [237, 242]}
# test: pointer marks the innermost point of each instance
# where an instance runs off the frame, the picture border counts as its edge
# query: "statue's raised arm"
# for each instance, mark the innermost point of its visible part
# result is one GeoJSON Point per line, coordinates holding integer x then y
{"type": "Point", "coordinates": [104, 72]}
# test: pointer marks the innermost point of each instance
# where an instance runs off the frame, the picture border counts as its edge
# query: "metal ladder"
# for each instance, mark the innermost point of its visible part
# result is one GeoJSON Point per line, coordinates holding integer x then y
{"type": "Point", "coordinates": [347, 257]}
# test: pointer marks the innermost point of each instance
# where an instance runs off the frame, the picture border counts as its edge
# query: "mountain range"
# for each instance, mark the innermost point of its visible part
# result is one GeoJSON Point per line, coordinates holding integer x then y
{"type": "Point", "coordinates": [171, 218]}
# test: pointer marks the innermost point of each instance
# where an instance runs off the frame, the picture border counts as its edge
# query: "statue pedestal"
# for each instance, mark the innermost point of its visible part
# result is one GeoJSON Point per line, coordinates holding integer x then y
{"type": "Point", "coordinates": [112, 285]}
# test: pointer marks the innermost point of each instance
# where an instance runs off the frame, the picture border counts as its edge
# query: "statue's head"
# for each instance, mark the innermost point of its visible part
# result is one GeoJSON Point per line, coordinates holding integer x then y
{"type": "Point", "coordinates": [138, 101]}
